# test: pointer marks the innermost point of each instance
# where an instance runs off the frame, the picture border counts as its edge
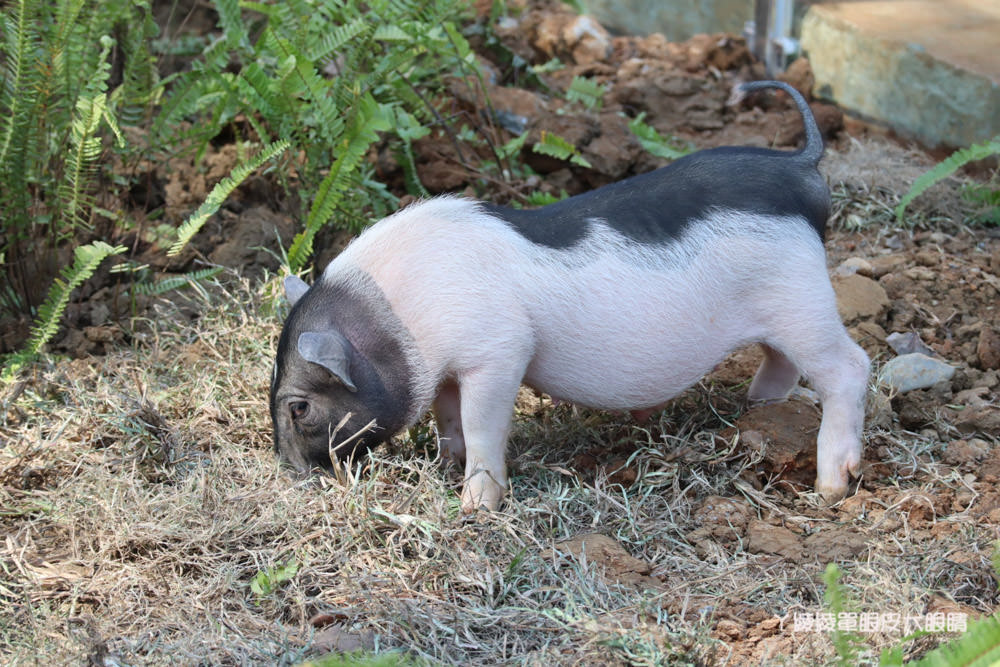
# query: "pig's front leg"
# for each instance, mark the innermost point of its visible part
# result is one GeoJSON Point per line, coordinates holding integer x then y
{"type": "Point", "coordinates": [487, 406]}
{"type": "Point", "coordinates": [448, 416]}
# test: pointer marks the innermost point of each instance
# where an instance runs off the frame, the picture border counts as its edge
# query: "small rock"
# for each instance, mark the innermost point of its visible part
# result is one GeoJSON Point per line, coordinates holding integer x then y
{"type": "Point", "coordinates": [969, 330]}
{"type": "Point", "coordinates": [786, 433]}
{"type": "Point", "coordinates": [920, 273]}
{"type": "Point", "coordinates": [617, 563]}
{"type": "Point", "coordinates": [872, 330]}
{"type": "Point", "coordinates": [990, 379]}
{"type": "Point", "coordinates": [858, 504]}
{"type": "Point", "coordinates": [908, 343]}
{"type": "Point", "coordinates": [723, 517]}
{"type": "Point", "coordinates": [988, 349]}
{"type": "Point", "coordinates": [915, 371]}
{"type": "Point", "coordinates": [587, 40]}
{"type": "Point", "coordinates": [928, 258]}
{"type": "Point", "coordinates": [859, 297]}
{"type": "Point", "coordinates": [336, 639]}
{"type": "Point", "coordinates": [799, 76]}
{"type": "Point", "coordinates": [853, 265]}
{"type": "Point", "coordinates": [965, 451]}
{"type": "Point", "coordinates": [763, 538]}
{"type": "Point", "coordinates": [728, 629]}
{"type": "Point", "coordinates": [975, 397]}
{"type": "Point", "coordinates": [985, 419]}
{"type": "Point", "coordinates": [879, 411]}
{"type": "Point", "coordinates": [884, 264]}
{"type": "Point", "coordinates": [837, 543]}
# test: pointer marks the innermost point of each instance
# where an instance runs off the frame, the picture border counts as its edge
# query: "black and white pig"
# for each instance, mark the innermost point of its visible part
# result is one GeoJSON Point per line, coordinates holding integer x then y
{"type": "Point", "coordinates": [619, 298]}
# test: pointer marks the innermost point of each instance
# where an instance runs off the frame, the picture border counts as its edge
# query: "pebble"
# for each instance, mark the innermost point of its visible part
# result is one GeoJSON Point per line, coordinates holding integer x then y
{"type": "Point", "coordinates": [853, 265]}
{"type": "Point", "coordinates": [915, 371]}
{"type": "Point", "coordinates": [988, 349]}
{"type": "Point", "coordinates": [859, 298]}
{"type": "Point", "coordinates": [920, 273]}
{"type": "Point", "coordinates": [908, 343]}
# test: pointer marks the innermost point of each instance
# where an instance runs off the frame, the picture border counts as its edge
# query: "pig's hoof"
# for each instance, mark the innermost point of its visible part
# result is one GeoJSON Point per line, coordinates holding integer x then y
{"type": "Point", "coordinates": [831, 494]}
{"type": "Point", "coordinates": [481, 491]}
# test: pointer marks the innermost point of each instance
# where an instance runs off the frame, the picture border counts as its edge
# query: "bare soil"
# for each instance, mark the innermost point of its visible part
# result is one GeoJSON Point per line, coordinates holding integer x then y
{"type": "Point", "coordinates": [139, 496]}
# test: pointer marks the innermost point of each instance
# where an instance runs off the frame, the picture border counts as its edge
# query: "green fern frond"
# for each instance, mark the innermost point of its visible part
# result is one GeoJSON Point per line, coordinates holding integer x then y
{"type": "Point", "coordinates": [20, 133]}
{"type": "Point", "coordinates": [171, 283]}
{"type": "Point", "coordinates": [334, 42]}
{"type": "Point", "coordinates": [392, 33]}
{"type": "Point", "coordinates": [556, 146]}
{"type": "Point", "coordinates": [20, 38]}
{"type": "Point", "coordinates": [220, 192]}
{"type": "Point", "coordinates": [139, 90]}
{"type": "Point", "coordinates": [845, 643]}
{"type": "Point", "coordinates": [233, 28]}
{"type": "Point", "coordinates": [256, 88]}
{"type": "Point", "coordinates": [587, 92]}
{"type": "Point", "coordinates": [946, 168]}
{"type": "Point", "coordinates": [978, 646]}
{"type": "Point", "coordinates": [85, 148]}
{"type": "Point", "coordinates": [370, 118]}
{"type": "Point", "coordinates": [86, 260]}
{"type": "Point", "coordinates": [654, 142]}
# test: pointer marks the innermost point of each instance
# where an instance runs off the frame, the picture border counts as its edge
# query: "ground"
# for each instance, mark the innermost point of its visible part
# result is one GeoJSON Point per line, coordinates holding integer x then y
{"type": "Point", "coordinates": [146, 521]}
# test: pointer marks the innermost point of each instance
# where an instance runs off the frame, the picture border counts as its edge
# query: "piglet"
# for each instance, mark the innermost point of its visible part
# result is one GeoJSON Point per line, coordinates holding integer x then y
{"type": "Point", "coordinates": [619, 298]}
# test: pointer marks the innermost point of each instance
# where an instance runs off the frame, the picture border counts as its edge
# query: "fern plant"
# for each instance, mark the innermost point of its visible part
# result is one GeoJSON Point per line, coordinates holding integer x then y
{"type": "Point", "coordinates": [946, 168]}
{"type": "Point", "coordinates": [332, 79]}
{"type": "Point", "coordinates": [56, 106]}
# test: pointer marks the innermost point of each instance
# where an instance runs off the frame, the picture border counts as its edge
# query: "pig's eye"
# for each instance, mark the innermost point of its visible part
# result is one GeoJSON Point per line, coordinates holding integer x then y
{"type": "Point", "coordinates": [299, 409]}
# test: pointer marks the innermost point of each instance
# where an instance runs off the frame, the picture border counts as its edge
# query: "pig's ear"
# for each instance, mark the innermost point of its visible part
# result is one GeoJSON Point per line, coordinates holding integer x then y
{"type": "Point", "coordinates": [330, 350]}
{"type": "Point", "coordinates": [295, 287]}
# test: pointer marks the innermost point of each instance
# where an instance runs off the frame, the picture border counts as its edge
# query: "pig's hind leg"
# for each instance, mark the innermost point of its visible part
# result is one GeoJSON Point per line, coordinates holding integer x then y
{"type": "Point", "coordinates": [810, 336]}
{"type": "Point", "coordinates": [775, 378]}
{"type": "Point", "coordinates": [448, 417]}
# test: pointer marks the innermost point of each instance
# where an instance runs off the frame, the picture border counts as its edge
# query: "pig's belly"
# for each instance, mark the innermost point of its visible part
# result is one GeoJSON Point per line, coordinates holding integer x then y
{"type": "Point", "coordinates": [637, 349]}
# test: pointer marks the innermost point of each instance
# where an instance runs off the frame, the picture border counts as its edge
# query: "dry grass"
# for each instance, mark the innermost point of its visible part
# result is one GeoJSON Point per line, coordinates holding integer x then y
{"type": "Point", "coordinates": [869, 176]}
{"type": "Point", "coordinates": [140, 497]}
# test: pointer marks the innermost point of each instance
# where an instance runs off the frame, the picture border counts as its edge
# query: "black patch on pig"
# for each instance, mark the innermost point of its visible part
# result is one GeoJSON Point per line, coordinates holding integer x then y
{"type": "Point", "coordinates": [657, 207]}
{"type": "Point", "coordinates": [378, 366]}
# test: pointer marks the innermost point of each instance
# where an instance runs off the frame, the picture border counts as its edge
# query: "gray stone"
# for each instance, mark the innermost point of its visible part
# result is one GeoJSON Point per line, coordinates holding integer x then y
{"type": "Point", "coordinates": [914, 371]}
{"type": "Point", "coordinates": [928, 69]}
{"type": "Point", "coordinates": [678, 20]}
{"type": "Point", "coordinates": [908, 343]}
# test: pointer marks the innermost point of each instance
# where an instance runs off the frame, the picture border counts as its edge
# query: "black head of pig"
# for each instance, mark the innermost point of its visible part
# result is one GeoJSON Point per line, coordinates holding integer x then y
{"type": "Point", "coordinates": [341, 379]}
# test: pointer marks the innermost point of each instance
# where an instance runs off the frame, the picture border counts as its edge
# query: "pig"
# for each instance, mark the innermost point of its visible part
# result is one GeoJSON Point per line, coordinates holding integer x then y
{"type": "Point", "coordinates": [618, 298]}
